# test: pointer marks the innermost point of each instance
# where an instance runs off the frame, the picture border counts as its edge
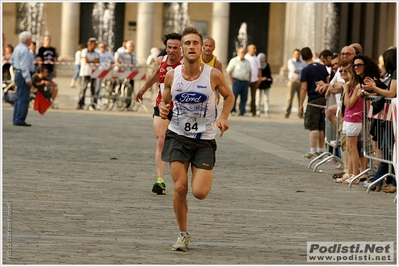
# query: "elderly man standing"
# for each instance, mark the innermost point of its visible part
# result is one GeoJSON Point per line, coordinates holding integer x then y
{"type": "Point", "coordinates": [22, 63]}
{"type": "Point", "coordinates": [239, 71]}
{"type": "Point", "coordinates": [256, 75]}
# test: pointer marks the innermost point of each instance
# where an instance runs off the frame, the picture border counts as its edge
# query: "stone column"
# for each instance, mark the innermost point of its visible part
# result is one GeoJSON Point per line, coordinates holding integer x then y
{"type": "Point", "coordinates": [145, 22]}
{"type": "Point", "coordinates": [290, 34]}
{"type": "Point", "coordinates": [70, 21]}
{"type": "Point", "coordinates": [220, 30]}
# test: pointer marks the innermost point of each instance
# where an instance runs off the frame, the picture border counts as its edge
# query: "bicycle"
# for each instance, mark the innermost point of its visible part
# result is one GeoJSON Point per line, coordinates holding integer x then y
{"type": "Point", "coordinates": [106, 97]}
{"type": "Point", "coordinates": [125, 95]}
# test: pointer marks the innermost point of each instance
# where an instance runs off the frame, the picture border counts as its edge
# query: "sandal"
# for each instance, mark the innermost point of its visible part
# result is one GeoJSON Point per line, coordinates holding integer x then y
{"type": "Point", "coordinates": [339, 180]}
{"type": "Point", "coordinates": [338, 175]}
{"type": "Point", "coordinates": [347, 181]}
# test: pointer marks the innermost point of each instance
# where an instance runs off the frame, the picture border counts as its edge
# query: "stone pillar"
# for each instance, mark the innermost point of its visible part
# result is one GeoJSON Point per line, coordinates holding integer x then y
{"type": "Point", "coordinates": [275, 48]}
{"type": "Point", "coordinates": [70, 21]}
{"type": "Point", "coordinates": [145, 25]}
{"type": "Point", "coordinates": [220, 30]}
{"type": "Point", "coordinates": [290, 34]}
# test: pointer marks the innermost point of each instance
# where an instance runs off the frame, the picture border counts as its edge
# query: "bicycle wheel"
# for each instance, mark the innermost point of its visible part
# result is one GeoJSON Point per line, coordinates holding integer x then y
{"type": "Point", "coordinates": [104, 100]}
{"type": "Point", "coordinates": [123, 100]}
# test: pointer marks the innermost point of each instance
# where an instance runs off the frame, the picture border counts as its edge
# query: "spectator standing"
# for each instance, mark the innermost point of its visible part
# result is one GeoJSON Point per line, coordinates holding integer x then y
{"type": "Point", "coordinates": [262, 94]}
{"type": "Point", "coordinates": [120, 50]}
{"type": "Point", "coordinates": [295, 66]}
{"type": "Point", "coordinates": [88, 60]}
{"type": "Point", "coordinates": [7, 53]}
{"type": "Point", "coordinates": [335, 61]}
{"type": "Point", "coordinates": [316, 58]}
{"type": "Point", "coordinates": [22, 63]}
{"type": "Point", "coordinates": [325, 59]}
{"type": "Point", "coordinates": [47, 56]}
{"type": "Point", "coordinates": [256, 75]}
{"type": "Point", "coordinates": [352, 125]}
{"type": "Point", "coordinates": [106, 60]}
{"type": "Point", "coordinates": [78, 56]}
{"type": "Point", "coordinates": [152, 59]}
{"type": "Point", "coordinates": [385, 143]}
{"type": "Point", "coordinates": [314, 117]}
{"type": "Point", "coordinates": [239, 71]}
{"type": "Point", "coordinates": [127, 61]}
{"type": "Point", "coordinates": [32, 50]}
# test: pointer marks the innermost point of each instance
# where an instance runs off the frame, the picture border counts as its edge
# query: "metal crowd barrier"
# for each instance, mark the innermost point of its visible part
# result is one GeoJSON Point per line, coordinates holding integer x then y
{"type": "Point", "coordinates": [331, 140]}
{"type": "Point", "coordinates": [380, 128]}
{"type": "Point", "coordinates": [113, 77]}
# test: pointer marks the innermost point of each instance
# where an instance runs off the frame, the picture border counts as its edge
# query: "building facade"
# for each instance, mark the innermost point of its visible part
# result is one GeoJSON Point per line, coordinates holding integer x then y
{"type": "Point", "coordinates": [276, 28]}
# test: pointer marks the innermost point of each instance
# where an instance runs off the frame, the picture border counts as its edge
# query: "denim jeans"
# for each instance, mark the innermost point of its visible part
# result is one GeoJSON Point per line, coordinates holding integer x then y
{"type": "Point", "coordinates": [98, 88]}
{"type": "Point", "coordinates": [240, 88]}
{"type": "Point", "coordinates": [77, 70]}
{"type": "Point", "coordinates": [22, 98]}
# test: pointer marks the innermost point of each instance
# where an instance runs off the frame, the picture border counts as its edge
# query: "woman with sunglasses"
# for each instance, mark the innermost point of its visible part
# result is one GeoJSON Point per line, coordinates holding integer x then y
{"type": "Point", "coordinates": [365, 67]}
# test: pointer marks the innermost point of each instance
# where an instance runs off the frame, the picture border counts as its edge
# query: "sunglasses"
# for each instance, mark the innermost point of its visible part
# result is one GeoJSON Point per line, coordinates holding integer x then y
{"type": "Point", "coordinates": [357, 65]}
{"type": "Point", "coordinates": [345, 70]}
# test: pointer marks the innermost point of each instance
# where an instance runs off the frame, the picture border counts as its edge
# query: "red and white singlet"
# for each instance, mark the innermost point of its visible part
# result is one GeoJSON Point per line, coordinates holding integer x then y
{"type": "Point", "coordinates": [163, 69]}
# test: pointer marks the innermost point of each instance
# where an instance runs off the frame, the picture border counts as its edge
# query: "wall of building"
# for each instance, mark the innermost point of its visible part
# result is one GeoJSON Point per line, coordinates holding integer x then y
{"type": "Point", "coordinates": [275, 50]}
{"type": "Point", "coordinates": [51, 23]}
{"type": "Point", "coordinates": [371, 24]}
{"type": "Point", "coordinates": [9, 23]}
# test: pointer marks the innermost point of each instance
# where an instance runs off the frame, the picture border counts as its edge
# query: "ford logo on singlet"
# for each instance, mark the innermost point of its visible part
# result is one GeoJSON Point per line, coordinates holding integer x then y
{"type": "Point", "coordinates": [191, 98]}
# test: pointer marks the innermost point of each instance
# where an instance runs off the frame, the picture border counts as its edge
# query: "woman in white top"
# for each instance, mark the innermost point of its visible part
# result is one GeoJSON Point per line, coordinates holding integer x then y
{"type": "Point", "coordinates": [77, 65]}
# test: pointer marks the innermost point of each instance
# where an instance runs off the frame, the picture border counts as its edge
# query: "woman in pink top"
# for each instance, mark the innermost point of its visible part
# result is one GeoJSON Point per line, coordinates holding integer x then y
{"type": "Point", "coordinates": [352, 125]}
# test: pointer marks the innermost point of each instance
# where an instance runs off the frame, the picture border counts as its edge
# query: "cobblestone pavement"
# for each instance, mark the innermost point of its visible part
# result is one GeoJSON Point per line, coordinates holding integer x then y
{"type": "Point", "coordinates": [77, 190]}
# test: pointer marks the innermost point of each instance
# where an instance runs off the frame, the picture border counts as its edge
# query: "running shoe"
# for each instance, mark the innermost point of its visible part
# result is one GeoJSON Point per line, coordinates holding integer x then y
{"type": "Point", "coordinates": [159, 187]}
{"type": "Point", "coordinates": [182, 242]}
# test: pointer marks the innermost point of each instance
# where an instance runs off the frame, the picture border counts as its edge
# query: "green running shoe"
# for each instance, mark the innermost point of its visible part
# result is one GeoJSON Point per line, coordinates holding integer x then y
{"type": "Point", "coordinates": [159, 187]}
{"type": "Point", "coordinates": [182, 242]}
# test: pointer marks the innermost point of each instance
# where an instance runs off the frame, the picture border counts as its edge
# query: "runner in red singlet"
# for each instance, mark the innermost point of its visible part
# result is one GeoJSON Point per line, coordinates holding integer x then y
{"type": "Point", "coordinates": [173, 59]}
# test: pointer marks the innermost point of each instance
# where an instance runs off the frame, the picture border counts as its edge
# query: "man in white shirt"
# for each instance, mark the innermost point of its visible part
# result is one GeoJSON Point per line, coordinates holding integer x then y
{"type": "Point", "coordinates": [256, 75]}
{"type": "Point", "coordinates": [127, 61]}
{"type": "Point", "coordinates": [120, 50]}
{"type": "Point", "coordinates": [88, 60]}
{"type": "Point", "coordinates": [106, 59]}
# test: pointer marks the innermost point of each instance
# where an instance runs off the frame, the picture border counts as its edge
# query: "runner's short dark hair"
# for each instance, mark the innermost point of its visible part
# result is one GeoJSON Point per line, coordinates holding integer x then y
{"type": "Point", "coordinates": [171, 36]}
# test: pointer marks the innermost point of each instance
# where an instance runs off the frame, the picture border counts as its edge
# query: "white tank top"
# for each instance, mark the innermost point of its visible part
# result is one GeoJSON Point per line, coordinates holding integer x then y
{"type": "Point", "coordinates": [194, 106]}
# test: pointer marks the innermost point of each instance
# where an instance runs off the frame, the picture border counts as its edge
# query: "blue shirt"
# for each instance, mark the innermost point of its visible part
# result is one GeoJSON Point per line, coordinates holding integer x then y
{"type": "Point", "coordinates": [295, 68]}
{"type": "Point", "coordinates": [33, 54]}
{"type": "Point", "coordinates": [311, 74]}
{"type": "Point", "coordinates": [21, 59]}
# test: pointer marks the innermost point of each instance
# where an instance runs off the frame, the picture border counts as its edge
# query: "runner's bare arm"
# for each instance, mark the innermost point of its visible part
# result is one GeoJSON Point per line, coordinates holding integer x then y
{"type": "Point", "coordinates": [219, 83]}
{"type": "Point", "coordinates": [166, 96]}
{"type": "Point", "coordinates": [153, 79]}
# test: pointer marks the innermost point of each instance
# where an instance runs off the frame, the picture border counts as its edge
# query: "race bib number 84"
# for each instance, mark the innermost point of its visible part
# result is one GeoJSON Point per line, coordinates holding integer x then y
{"type": "Point", "coordinates": [190, 126]}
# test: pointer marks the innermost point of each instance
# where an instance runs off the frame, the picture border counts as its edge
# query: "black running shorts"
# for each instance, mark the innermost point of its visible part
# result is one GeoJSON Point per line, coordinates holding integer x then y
{"type": "Point", "coordinates": [200, 153]}
{"type": "Point", "coordinates": [156, 113]}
